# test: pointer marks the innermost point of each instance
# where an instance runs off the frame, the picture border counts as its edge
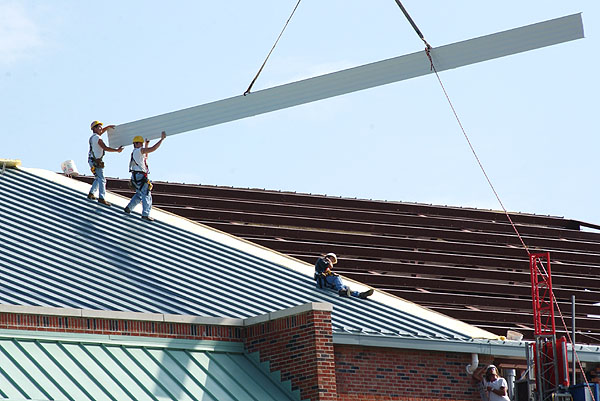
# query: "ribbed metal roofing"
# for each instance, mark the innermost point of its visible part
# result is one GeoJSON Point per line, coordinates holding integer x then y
{"type": "Point", "coordinates": [46, 369]}
{"type": "Point", "coordinates": [60, 249]}
{"type": "Point", "coordinates": [383, 72]}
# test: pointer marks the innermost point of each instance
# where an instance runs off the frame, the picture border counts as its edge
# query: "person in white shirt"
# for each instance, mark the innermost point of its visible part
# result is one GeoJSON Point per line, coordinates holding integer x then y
{"type": "Point", "coordinates": [95, 155]}
{"type": "Point", "coordinates": [138, 166]}
{"type": "Point", "coordinates": [494, 386]}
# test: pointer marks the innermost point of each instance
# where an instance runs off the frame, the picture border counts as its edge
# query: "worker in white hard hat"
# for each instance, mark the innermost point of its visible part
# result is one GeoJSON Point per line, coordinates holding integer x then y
{"type": "Point", "coordinates": [326, 278]}
{"type": "Point", "coordinates": [495, 387]}
{"type": "Point", "coordinates": [138, 166]}
{"type": "Point", "coordinates": [95, 155]}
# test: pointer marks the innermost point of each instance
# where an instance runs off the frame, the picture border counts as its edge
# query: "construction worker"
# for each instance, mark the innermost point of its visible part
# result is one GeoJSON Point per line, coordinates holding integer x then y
{"type": "Point", "coordinates": [326, 278]}
{"type": "Point", "coordinates": [138, 166]}
{"type": "Point", "coordinates": [495, 388]}
{"type": "Point", "coordinates": [95, 155]}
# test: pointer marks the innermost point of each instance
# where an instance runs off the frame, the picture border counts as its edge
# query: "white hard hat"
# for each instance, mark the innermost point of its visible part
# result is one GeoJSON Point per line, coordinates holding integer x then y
{"type": "Point", "coordinates": [332, 256]}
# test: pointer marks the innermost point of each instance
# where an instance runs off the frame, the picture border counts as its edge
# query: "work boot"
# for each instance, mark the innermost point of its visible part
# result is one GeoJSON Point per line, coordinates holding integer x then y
{"type": "Point", "coordinates": [104, 202]}
{"type": "Point", "coordinates": [147, 218]}
{"type": "Point", "coordinates": [91, 196]}
{"type": "Point", "coordinates": [366, 294]}
{"type": "Point", "coordinates": [127, 210]}
{"type": "Point", "coordinates": [345, 293]}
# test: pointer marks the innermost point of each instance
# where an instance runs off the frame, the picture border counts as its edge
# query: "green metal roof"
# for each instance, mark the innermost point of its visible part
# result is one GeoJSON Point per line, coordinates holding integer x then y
{"type": "Point", "coordinates": [86, 367]}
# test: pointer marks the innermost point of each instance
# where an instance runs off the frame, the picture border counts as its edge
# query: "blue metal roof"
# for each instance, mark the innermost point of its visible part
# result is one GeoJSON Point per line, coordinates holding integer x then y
{"type": "Point", "coordinates": [93, 368]}
{"type": "Point", "coordinates": [60, 249]}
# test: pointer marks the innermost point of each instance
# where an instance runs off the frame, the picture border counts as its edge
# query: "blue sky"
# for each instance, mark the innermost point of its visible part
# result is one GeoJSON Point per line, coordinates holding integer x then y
{"type": "Point", "coordinates": [532, 117]}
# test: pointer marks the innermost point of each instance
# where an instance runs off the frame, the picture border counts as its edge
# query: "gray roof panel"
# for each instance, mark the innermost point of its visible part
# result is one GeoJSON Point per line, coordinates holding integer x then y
{"type": "Point", "coordinates": [60, 249]}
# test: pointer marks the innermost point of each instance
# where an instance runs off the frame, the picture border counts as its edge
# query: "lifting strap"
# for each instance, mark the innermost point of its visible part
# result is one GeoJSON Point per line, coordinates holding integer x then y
{"type": "Point", "coordinates": [272, 48]}
{"type": "Point", "coordinates": [417, 30]}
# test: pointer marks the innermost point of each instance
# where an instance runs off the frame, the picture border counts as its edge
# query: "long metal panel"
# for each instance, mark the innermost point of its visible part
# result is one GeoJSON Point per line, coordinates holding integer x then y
{"type": "Point", "coordinates": [413, 65]}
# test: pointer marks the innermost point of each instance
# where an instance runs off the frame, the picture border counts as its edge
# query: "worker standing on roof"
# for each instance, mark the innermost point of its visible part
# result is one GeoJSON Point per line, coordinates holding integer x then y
{"type": "Point", "coordinates": [138, 166]}
{"type": "Point", "coordinates": [326, 278]}
{"type": "Point", "coordinates": [95, 155]}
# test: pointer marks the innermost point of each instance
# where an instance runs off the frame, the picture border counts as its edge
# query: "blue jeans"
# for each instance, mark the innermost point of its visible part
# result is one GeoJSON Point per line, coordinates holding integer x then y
{"type": "Point", "coordinates": [142, 194]}
{"type": "Point", "coordinates": [99, 181]}
{"type": "Point", "coordinates": [335, 282]}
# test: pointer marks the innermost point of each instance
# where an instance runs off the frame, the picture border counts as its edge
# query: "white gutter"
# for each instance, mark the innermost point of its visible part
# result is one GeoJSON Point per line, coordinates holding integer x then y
{"type": "Point", "coordinates": [498, 348]}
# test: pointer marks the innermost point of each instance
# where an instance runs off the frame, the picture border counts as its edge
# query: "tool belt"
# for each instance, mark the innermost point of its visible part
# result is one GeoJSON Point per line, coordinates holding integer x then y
{"type": "Point", "coordinates": [96, 163]}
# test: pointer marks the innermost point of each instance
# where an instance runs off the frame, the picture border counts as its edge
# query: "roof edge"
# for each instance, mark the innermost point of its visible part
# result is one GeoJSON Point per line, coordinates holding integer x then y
{"type": "Point", "coordinates": [295, 310]}
{"type": "Point", "coordinates": [120, 315]}
{"type": "Point", "coordinates": [166, 318]}
{"type": "Point", "coordinates": [503, 348]}
{"type": "Point", "coordinates": [118, 340]}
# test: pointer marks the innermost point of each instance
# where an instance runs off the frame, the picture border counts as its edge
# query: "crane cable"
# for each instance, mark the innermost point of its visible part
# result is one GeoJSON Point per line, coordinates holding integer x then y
{"type": "Point", "coordinates": [415, 27]}
{"type": "Point", "coordinates": [432, 67]}
{"type": "Point", "coordinates": [428, 53]}
{"type": "Point", "coordinates": [271, 51]}
{"type": "Point", "coordinates": [475, 154]}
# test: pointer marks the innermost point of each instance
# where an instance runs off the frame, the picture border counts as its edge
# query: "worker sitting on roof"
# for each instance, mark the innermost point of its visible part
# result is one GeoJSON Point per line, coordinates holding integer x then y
{"type": "Point", "coordinates": [328, 279]}
{"type": "Point", "coordinates": [138, 166]}
{"type": "Point", "coordinates": [95, 155]}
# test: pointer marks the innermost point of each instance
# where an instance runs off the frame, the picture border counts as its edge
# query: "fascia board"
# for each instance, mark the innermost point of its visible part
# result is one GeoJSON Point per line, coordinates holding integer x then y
{"type": "Point", "coordinates": [483, 348]}
{"type": "Point", "coordinates": [132, 341]}
{"type": "Point", "coordinates": [400, 68]}
{"type": "Point", "coordinates": [511, 349]}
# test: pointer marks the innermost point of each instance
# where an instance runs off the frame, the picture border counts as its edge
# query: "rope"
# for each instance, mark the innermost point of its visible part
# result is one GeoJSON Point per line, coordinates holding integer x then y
{"type": "Point", "coordinates": [432, 68]}
{"type": "Point", "coordinates": [272, 48]}
{"type": "Point", "coordinates": [475, 153]}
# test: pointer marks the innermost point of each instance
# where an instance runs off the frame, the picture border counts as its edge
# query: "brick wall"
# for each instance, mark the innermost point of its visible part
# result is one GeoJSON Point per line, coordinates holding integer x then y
{"type": "Point", "coordinates": [22, 321]}
{"type": "Point", "coordinates": [301, 348]}
{"type": "Point", "coordinates": [299, 345]}
{"type": "Point", "coordinates": [375, 374]}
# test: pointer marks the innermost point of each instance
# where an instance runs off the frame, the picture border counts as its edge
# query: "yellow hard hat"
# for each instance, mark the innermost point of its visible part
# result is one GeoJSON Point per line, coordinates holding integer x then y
{"type": "Point", "coordinates": [138, 139]}
{"type": "Point", "coordinates": [94, 123]}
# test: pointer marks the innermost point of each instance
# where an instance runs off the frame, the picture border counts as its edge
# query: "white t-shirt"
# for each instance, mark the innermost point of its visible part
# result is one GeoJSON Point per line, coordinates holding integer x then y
{"type": "Point", "coordinates": [96, 151]}
{"type": "Point", "coordinates": [138, 161]}
{"type": "Point", "coordinates": [497, 385]}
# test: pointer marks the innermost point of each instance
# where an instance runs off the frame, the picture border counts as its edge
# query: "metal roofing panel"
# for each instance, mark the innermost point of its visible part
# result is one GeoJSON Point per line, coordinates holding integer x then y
{"type": "Point", "coordinates": [60, 249]}
{"type": "Point", "coordinates": [400, 68]}
{"type": "Point", "coordinates": [44, 369]}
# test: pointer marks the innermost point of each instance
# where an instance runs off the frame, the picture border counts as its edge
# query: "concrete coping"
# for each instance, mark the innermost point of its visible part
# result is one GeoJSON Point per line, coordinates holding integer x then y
{"type": "Point", "coordinates": [296, 310]}
{"type": "Point", "coordinates": [166, 318]}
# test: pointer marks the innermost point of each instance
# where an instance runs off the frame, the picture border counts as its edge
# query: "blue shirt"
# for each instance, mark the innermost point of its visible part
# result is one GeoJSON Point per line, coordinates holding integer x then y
{"type": "Point", "coordinates": [321, 265]}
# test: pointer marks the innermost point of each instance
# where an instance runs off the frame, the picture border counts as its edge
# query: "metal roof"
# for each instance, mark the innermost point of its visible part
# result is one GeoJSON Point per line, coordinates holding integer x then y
{"type": "Point", "coordinates": [104, 368]}
{"type": "Point", "coordinates": [60, 249]}
{"type": "Point", "coordinates": [463, 262]}
{"type": "Point", "coordinates": [446, 57]}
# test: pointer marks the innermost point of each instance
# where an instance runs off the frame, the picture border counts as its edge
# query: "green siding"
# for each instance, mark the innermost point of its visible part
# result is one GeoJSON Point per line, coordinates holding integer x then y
{"type": "Point", "coordinates": [43, 369]}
